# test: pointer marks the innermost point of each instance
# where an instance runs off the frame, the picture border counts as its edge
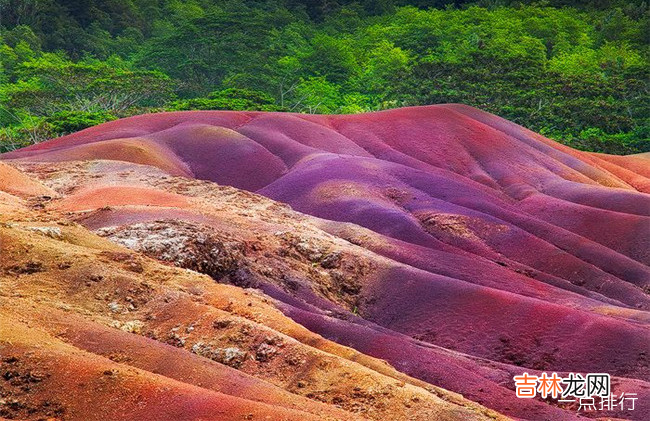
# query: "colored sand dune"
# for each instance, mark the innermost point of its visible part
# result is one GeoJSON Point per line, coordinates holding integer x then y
{"type": "Point", "coordinates": [457, 246]}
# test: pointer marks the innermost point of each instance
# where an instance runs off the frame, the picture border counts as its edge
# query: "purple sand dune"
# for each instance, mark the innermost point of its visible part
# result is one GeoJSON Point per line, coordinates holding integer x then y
{"type": "Point", "coordinates": [504, 251]}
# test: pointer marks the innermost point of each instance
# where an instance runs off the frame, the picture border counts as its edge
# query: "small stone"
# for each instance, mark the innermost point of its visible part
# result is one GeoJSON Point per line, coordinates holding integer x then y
{"type": "Point", "coordinates": [331, 261]}
{"type": "Point", "coordinates": [114, 307]}
{"type": "Point", "coordinates": [221, 324]}
{"type": "Point", "coordinates": [52, 232]}
{"type": "Point", "coordinates": [133, 326]}
{"type": "Point", "coordinates": [265, 352]}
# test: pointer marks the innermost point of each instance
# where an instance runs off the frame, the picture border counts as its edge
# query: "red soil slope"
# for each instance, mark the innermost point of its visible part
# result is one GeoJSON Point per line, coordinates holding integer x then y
{"type": "Point", "coordinates": [475, 248]}
{"type": "Point", "coordinates": [15, 183]}
{"type": "Point", "coordinates": [92, 331]}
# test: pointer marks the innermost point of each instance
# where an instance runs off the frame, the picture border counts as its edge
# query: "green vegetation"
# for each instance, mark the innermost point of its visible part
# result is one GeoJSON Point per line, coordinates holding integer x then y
{"type": "Point", "coordinates": [575, 71]}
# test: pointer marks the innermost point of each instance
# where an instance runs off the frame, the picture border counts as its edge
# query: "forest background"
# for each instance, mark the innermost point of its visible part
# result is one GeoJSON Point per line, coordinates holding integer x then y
{"type": "Point", "coordinates": [575, 71]}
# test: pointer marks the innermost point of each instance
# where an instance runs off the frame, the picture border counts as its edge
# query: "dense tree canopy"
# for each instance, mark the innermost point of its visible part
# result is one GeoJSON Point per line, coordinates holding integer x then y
{"type": "Point", "coordinates": [576, 71]}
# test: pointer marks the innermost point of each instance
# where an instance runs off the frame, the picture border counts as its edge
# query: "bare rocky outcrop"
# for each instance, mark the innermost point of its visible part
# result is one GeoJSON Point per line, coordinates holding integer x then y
{"type": "Point", "coordinates": [186, 245]}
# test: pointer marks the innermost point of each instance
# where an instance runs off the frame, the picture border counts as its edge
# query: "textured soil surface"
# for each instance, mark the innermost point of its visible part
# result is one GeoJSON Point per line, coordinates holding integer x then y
{"type": "Point", "coordinates": [395, 265]}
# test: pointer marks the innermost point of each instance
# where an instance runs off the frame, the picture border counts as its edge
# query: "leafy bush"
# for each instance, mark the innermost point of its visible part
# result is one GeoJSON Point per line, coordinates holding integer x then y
{"type": "Point", "coordinates": [29, 133]}
{"type": "Point", "coordinates": [576, 70]}
{"type": "Point", "coordinates": [228, 99]}
{"type": "Point", "coordinates": [595, 140]}
{"type": "Point", "coordinates": [65, 122]}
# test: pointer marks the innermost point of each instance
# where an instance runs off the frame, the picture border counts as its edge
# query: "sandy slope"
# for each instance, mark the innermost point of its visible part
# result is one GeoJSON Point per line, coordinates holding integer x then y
{"type": "Point", "coordinates": [455, 245]}
{"type": "Point", "coordinates": [90, 330]}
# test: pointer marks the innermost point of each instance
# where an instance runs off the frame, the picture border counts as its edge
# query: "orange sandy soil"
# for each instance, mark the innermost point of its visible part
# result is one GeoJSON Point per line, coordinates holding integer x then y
{"type": "Point", "coordinates": [90, 330]}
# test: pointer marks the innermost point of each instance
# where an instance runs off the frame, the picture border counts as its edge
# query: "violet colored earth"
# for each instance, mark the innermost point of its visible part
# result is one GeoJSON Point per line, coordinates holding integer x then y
{"type": "Point", "coordinates": [503, 251]}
